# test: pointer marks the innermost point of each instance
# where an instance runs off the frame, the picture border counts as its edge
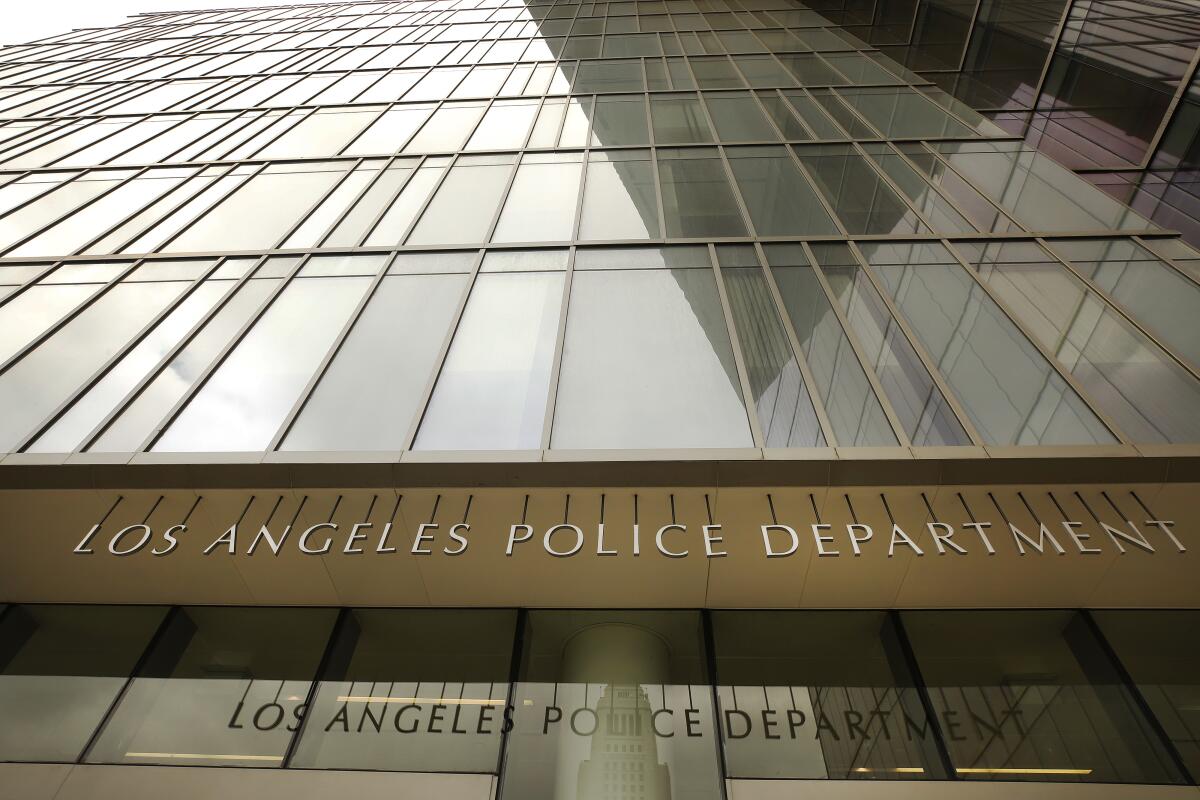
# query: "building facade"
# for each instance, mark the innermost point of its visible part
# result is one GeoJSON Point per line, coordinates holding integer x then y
{"type": "Point", "coordinates": [581, 401]}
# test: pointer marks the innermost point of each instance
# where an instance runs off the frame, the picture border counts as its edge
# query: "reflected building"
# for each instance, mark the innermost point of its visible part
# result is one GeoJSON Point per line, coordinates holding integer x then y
{"type": "Point", "coordinates": [602, 400]}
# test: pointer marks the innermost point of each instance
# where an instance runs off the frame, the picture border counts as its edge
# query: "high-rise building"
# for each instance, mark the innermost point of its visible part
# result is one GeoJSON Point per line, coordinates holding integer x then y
{"type": "Point", "coordinates": [682, 399]}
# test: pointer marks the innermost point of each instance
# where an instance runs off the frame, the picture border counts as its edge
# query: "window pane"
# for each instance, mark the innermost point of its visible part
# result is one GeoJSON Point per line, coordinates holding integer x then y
{"type": "Point", "coordinates": [63, 667]}
{"type": "Point", "coordinates": [854, 410]}
{"type": "Point", "coordinates": [738, 118]}
{"type": "Point", "coordinates": [37, 384]}
{"type": "Point", "coordinates": [447, 129]}
{"type": "Point", "coordinates": [541, 203]}
{"type": "Point", "coordinates": [862, 200]}
{"type": "Point", "coordinates": [943, 216]}
{"type": "Point", "coordinates": [461, 212]}
{"type": "Point", "coordinates": [780, 200]}
{"type": "Point", "coordinates": [923, 411]}
{"type": "Point", "coordinates": [678, 119]}
{"type": "Point", "coordinates": [785, 411]}
{"type": "Point", "coordinates": [1020, 693]}
{"type": "Point", "coordinates": [1004, 383]}
{"type": "Point", "coordinates": [1159, 298]}
{"type": "Point", "coordinates": [403, 681]}
{"type": "Point", "coordinates": [619, 121]}
{"type": "Point", "coordinates": [1166, 668]}
{"type": "Point", "coordinates": [259, 213]}
{"type": "Point", "coordinates": [211, 664]}
{"type": "Point", "coordinates": [392, 226]}
{"type": "Point", "coordinates": [70, 429]}
{"type": "Point", "coordinates": [504, 126]}
{"type": "Point", "coordinates": [389, 133]}
{"type": "Point", "coordinates": [242, 405]}
{"type": "Point", "coordinates": [696, 197]}
{"type": "Point", "coordinates": [34, 311]}
{"type": "Point", "coordinates": [647, 363]}
{"type": "Point", "coordinates": [618, 668]}
{"type": "Point", "coordinates": [619, 201]}
{"type": "Point", "coordinates": [1148, 395]}
{"type": "Point", "coordinates": [367, 398]}
{"type": "Point", "coordinates": [491, 393]}
{"type": "Point", "coordinates": [846, 708]}
{"type": "Point", "coordinates": [904, 113]}
{"type": "Point", "coordinates": [135, 423]}
{"type": "Point", "coordinates": [323, 133]}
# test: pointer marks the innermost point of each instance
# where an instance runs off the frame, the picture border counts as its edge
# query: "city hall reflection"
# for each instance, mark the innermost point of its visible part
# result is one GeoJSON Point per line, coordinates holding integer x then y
{"type": "Point", "coordinates": [607, 704]}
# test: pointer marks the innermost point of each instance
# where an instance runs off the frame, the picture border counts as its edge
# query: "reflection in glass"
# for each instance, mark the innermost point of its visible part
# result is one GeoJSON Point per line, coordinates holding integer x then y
{"type": "Point", "coordinates": [541, 202]}
{"type": "Point", "coordinates": [903, 113]}
{"type": "Point", "coordinates": [863, 201]}
{"type": "Point", "coordinates": [619, 120]}
{"type": "Point", "coordinates": [245, 400]}
{"type": "Point", "coordinates": [367, 398]}
{"type": "Point", "coordinates": [1162, 658]}
{"type": "Point", "coordinates": [697, 200]}
{"type": "Point", "coordinates": [647, 363]}
{"type": "Point", "coordinates": [61, 667]}
{"type": "Point", "coordinates": [1148, 395]}
{"type": "Point", "coordinates": [1004, 383]}
{"type": "Point", "coordinates": [854, 410]}
{"type": "Point", "coordinates": [619, 201]}
{"type": "Point", "coordinates": [491, 393]}
{"type": "Point", "coordinates": [1032, 695]}
{"type": "Point", "coordinates": [462, 209]}
{"type": "Point", "coordinates": [779, 198]}
{"type": "Point", "coordinates": [634, 706]}
{"type": "Point", "coordinates": [222, 687]}
{"type": "Point", "coordinates": [678, 119]}
{"type": "Point", "coordinates": [819, 694]}
{"type": "Point", "coordinates": [916, 399]}
{"type": "Point", "coordinates": [738, 118]}
{"type": "Point", "coordinates": [412, 690]}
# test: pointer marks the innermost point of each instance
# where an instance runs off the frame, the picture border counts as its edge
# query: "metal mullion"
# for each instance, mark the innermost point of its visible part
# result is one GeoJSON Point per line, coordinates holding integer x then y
{"type": "Point", "coordinates": [239, 119]}
{"type": "Point", "coordinates": [790, 108]}
{"type": "Point", "coordinates": [810, 383]}
{"type": "Point", "coordinates": [276, 137]}
{"type": "Point", "coordinates": [896, 190]}
{"type": "Point", "coordinates": [440, 361]}
{"type": "Point", "coordinates": [187, 226]}
{"type": "Point", "coordinates": [202, 380]}
{"type": "Point", "coordinates": [559, 345]}
{"type": "Point", "coordinates": [55, 264]}
{"type": "Point", "coordinates": [70, 315]}
{"type": "Point", "coordinates": [1121, 310]}
{"type": "Point", "coordinates": [319, 674]}
{"type": "Point", "coordinates": [837, 98]}
{"type": "Point", "coordinates": [312, 209]}
{"type": "Point", "coordinates": [83, 389]}
{"type": "Point", "coordinates": [1068, 7]}
{"type": "Point", "coordinates": [76, 209]}
{"type": "Point", "coordinates": [113, 228]}
{"type": "Point", "coordinates": [945, 162]}
{"type": "Point", "coordinates": [1050, 358]}
{"type": "Point", "coordinates": [42, 138]}
{"type": "Point", "coordinates": [339, 340]}
{"type": "Point", "coordinates": [918, 347]}
{"type": "Point", "coordinates": [859, 353]}
{"type": "Point", "coordinates": [186, 117]}
{"type": "Point", "coordinates": [962, 59]}
{"type": "Point", "coordinates": [1170, 262]}
{"type": "Point", "coordinates": [385, 207]}
{"type": "Point", "coordinates": [938, 191]}
{"type": "Point", "coordinates": [748, 401]}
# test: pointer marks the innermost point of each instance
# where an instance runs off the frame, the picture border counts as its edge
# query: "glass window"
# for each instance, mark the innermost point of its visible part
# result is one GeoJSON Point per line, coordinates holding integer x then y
{"type": "Point", "coordinates": [505, 126]}
{"type": "Point", "coordinates": [619, 198]}
{"type": "Point", "coordinates": [54, 204]}
{"type": "Point", "coordinates": [1166, 668]}
{"type": "Point", "coordinates": [810, 111]}
{"type": "Point", "coordinates": [323, 133]}
{"type": "Point", "coordinates": [391, 131]}
{"type": "Point", "coordinates": [923, 411]}
{"type": "Point", "coordinates": [679, 119]}
{"type": "Point", "coordinates": [89, 410]}
{"type": "Point", "coordinates": [863, 201]}
{"type": "Point", "coordinates": [619, 120]}
{"type": "Point", "coordinates": [715, 73]}
{"type": "Point", "coordinates": [942, 215]}
{"type": "Point", "coordinates": [391, 228]}
{"type": "Point", "coordinates": [819, 694]}
{"type": "Point", "coordinates": [49, 374]}
{"type": "Point", "coordinates": [647, 363]}
{"type": "Point", "coordinates": [697, 200]}
{"type": "Point", "coordinates": [1019, 695]}
{"type": "Point", "coordinates": [492, 390]}
{"type": "Point", "coordinates": [738, 118]}
{"type": "Point", "coordinates": [811, 70]}
{"type": "Point", "coordinates": [413, 690]}
{"type": "Point", "coordinates": [1004, 383]}
{"type": "Point", "coordinates": [447, 128]}
{"type": "Point", "coordinates": [129, 430]}
{"type": "Point", "coordinates": [984, 215]}
{"type": "Point", "coordinates": [1163, 301]}
{"type": "Point", "coordinates": [1150, 397]}
{"type": "Point", "coordinates": [367, 398]}
{"type": "Point", "coordinates": [631, 696]}
{"type": "Point", "coordinates": [763, 71]}
{"type": "Point", "coordinates": [904, 113]}
{"type": "Point", "coordinates": [608, 76]}
{"type": "Point", "coordinates": [364, 192]}
{"type": "Point", "coordinates": [542, 201]}
{"type": "Point", "coordinates": [243, 403]}
{"type": "Point", "coordinates": [222, 687]}
{"type": "Point", "coordinates": [462, 210]}
{"type": "Point", "coordinates": [262, 211]}
{"type": "Point", "coordinates": [854, 410]}
{"type": "Point", "coordinates": [34, 311]}
{"type": "Point", "coordinates": [62, 668]}
{"type": "Point", "coordinates": [1038, 193]}
{"type": "Point", "coordinates": [785, 411]}
{"type": "Point", "coordinates": [779, 198]}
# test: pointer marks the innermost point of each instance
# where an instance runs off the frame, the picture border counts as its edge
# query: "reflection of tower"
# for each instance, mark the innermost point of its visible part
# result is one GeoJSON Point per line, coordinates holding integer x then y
{"type": "Point", "coordinates": [624, 760]}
